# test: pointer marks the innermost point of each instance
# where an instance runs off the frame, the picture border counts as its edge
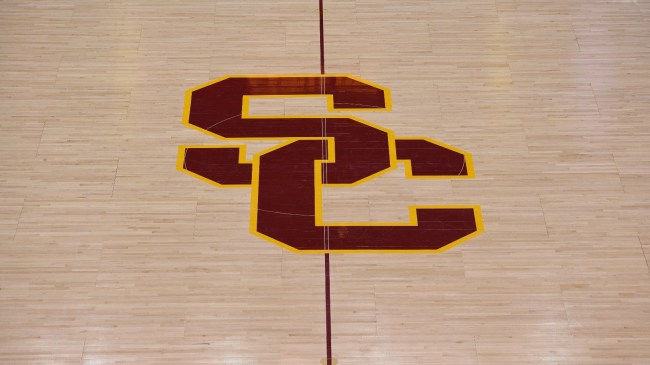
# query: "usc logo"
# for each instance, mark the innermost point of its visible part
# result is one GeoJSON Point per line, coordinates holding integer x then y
{"type": "Point", "coordinates": [333, 150]}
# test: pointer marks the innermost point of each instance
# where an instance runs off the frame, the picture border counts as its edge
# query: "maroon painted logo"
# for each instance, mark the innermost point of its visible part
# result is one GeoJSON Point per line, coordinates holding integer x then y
{"type": "Point", "coordinates": [314, 151]}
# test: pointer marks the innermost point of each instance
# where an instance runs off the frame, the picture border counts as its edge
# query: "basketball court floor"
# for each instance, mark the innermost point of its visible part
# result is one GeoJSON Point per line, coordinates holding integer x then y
{"type": "Point", "coordinates": [112, 251]}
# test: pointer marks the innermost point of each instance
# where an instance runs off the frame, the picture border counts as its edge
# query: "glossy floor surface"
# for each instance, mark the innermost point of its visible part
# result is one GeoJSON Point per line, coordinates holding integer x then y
{"type": "Point", "coordinates": [110, 255]}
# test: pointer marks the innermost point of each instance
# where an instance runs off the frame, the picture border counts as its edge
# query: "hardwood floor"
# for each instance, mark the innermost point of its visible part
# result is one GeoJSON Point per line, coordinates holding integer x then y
{"type": "Point", "coordinates": [109, 255]}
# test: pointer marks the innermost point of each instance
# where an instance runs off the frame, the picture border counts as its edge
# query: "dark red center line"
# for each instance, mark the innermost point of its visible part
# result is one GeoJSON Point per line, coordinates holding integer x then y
{"type": "Point", "coordinates": [322, 38]}
{"type": "Point", "coordinates": [328, 313]}
{"type": "Point", "coordinates": [328, 316]}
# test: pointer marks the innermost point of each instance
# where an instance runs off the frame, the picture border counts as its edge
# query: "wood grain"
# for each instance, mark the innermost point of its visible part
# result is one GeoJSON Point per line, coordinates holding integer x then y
{"type": "Point", "coordinates": [109, 255]}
